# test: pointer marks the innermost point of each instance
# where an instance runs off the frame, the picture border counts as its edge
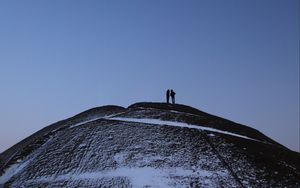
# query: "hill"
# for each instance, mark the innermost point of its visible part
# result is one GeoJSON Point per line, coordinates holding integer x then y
{"type": "Point", "coordinates": [148, 145]}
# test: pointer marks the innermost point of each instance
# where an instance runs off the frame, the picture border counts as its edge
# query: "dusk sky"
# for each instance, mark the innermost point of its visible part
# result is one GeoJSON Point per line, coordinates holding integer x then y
{"type": "Point", "coordinates": [238, 59]}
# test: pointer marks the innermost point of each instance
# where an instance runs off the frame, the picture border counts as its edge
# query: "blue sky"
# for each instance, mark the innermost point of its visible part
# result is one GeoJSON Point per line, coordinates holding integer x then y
{"type": "Point", "coordinates": [235, 59]}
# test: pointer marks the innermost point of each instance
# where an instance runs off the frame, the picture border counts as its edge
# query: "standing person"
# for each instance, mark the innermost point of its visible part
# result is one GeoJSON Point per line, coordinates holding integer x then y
{"type": "Point", "coordinates": [172, 94]}
{"type": "Point", "coordinates": [168, 95]}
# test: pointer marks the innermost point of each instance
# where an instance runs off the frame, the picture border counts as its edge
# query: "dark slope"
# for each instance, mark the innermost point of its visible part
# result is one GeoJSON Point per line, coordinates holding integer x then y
{"type": "Point", "coordinates": [105, 146]}
{"type": "Point", "coordinates": [203, 118]}
{"type": "Point", "coordinates": [32, 142]}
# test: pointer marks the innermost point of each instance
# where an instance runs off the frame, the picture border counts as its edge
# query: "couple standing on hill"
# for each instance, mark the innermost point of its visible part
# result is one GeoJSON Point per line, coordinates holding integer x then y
{"type": "Point", "coordinates": [172, 94]}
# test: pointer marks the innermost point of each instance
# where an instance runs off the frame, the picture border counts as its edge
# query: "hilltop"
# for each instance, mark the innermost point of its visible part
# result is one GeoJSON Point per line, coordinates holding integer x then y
{"type": "Point", "coordinates": [148, 145]}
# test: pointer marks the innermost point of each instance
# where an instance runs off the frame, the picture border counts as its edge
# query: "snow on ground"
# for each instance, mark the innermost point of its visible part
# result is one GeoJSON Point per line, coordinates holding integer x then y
{"type": "Point", "coordinates": [94, 119]}
{"type": "Point", "coordinates": [84, 122]}
{"type": "Point", "coordinates": [11, 171]}
{"type": "Point", "coordinates": [162, 122]}
{"type": "Point", "coordinates": [109, 154]}
{"type": "Point", "coordinates": [138, 176]}
{"type": "Point", "coordinates": [178, 124]}
{"type": "Point", "coordinates": [19, 166]}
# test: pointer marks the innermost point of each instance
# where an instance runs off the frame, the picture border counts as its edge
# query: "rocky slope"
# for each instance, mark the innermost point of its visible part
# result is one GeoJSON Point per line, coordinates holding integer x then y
{"type": "Point", "coordinates": [148, 145]}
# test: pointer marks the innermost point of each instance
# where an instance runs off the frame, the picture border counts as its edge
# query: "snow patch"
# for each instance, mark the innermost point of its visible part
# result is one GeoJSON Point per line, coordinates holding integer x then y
{"type": "Point", "coordinates": [120, 158]}
{"type": "Point", "coordinates": [11, 171]}
{"type": "Point", "coordinates": [139, 177]}
{"type": "Point", "coordinates": [19, 166]}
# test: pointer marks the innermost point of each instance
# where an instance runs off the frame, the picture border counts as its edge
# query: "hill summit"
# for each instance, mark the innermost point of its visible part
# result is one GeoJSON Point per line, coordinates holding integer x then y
{"type": "Point", "coordinates": [148, 145]}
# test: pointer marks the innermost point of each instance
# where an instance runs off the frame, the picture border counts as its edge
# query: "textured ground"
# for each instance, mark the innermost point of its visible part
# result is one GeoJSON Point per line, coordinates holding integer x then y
{"type": "Point", "coordinates": [142, 146]}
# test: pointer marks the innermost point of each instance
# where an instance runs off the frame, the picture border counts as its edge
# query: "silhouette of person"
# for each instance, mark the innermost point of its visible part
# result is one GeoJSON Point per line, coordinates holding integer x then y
{"type": "Point", "coordinates": [172, 94]}
{"type": "Point", "coordinates": [168, 95]}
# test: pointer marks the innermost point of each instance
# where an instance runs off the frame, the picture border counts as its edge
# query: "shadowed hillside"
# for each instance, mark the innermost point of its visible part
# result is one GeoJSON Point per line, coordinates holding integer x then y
{"type": "Point", "coordinates": [148, 145]}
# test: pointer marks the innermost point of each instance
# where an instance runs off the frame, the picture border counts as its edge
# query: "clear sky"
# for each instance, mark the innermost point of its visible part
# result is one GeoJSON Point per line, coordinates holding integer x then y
{"type": "Point", "coordinates": [237, 59]}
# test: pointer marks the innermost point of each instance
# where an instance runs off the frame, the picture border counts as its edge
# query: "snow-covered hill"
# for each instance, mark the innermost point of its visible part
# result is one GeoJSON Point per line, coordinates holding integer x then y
{"type": "Point", "coordinates": [148, 145]}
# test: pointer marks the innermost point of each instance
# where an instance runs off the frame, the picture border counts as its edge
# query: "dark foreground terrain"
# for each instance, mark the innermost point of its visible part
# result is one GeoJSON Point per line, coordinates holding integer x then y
{"type": "Point", "coordinates": [148, 145]}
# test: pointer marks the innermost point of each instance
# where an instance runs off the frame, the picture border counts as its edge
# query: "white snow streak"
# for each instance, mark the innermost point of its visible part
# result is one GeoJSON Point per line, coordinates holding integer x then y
{"type": "Point", "coordinates": [162, 122]}
{"type": "Point", "coordinates": [18, 167]}
{"type": "Point", "coordinates": [11, 171]}
{"type": "Point", "coordinates": [179, 124]}
{"type": "Point", "coordinates": [84, 122]}
{"type": "Point", "coordinates": [94, 119]}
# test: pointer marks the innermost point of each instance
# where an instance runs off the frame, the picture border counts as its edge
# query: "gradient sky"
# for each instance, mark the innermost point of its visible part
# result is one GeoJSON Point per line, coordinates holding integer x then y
{"type": "Point", "coordinates": [238, 59]}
